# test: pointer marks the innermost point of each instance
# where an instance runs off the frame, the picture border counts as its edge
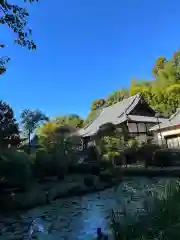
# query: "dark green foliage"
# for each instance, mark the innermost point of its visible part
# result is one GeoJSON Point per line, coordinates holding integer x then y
{"type": "Point", "coordinates": [145, 153]}
{"type": "Point", "coordinates": [30, 121]}
{"type": "Point", "coordinates": [92, 154]}
{"type": "Point", "coordinates": [130, 155]}
{"type": "Point", "coordinates": [3, 61]}
{"type": "Point", "coordinates": [89, 181]}
{"type": "Point", "coordinates": [119, 159]}
{"type": "Point", "coordinates": [106, 176]}
{"type": "Point", "coordinates": [105, 164]}
{"type": "Point", "coordinates": [16, 18]}
{"type": "Point", "coordinates": [9, 130]}
{"type": "Point", "coordinates": [49, 164]}
{"type": "Point", "coordinates": [165, 158]}
{"type": "Point", "coordinates": [15, 169]}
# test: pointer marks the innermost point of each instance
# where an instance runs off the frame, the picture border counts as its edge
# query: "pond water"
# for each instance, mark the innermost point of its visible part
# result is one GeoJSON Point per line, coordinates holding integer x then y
{"type": "Point", "coordinates": [79, 217]}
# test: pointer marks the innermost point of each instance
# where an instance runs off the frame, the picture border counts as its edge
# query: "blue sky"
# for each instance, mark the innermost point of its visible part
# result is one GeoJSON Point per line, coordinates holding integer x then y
{"type": "Point", "coordinates": [85, 50]}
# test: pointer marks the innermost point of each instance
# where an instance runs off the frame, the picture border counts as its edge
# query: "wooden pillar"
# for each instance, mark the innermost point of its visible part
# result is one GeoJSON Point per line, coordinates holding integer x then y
{"type": "Point", "coordinates": [125, 132]}
{"type": "Point", "coordinates": [85, 142]}
{"type": "Point", "coordinates": [97, 140]}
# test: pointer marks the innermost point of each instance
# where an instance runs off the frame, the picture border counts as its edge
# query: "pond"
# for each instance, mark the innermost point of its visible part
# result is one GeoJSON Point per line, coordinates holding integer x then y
{"type": "Point", "coordinates": [79, 217]}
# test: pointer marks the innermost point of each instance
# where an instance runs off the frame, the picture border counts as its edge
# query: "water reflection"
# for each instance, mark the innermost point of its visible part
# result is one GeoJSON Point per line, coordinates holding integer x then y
{"type": "Point", "coordinates": [79, 217]}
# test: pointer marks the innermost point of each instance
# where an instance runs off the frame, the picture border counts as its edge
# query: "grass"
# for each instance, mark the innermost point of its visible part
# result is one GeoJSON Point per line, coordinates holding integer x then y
{"type": "Point", "coordinates": [159, 219]}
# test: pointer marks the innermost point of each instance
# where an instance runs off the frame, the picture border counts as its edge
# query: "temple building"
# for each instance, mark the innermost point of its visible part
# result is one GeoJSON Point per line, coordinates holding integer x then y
{"type": "Point", "coordinates": [132, 118]}
{"type": "Point", "coordinates": [168, 132]}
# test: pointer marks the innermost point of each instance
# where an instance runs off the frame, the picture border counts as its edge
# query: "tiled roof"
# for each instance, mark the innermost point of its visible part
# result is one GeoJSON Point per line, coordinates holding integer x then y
{"type": "Point", "coordinates": [115, 114]}
{"type": "Point", "coordinates": [138, 118]}
{"type": "Point", "coordinates": [171, 122]}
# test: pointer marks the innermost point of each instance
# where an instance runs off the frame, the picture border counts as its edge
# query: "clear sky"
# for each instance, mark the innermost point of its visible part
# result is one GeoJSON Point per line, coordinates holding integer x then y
{"type": "Point", "coordinates": [85, 50]}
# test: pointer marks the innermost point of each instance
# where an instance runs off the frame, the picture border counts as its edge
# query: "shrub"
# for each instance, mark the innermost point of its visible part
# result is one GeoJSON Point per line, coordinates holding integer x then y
{"type": "Point", "coordinates": [130, 155]}
{"type": "Point", "coordinates": [92, 154]}
{"type": "Point", "coordinates": [145, 153]}
{"type": "Point", "coordinates": [105, 176]}
{"type": "Point", "coordinates": [49, 164]}
{"type": "Point", "coordinates": [15, 169]}
{"type": "Point", "coordinates": [104, 164]}
{"type": "Point", "coordinates": [89, 181]}
{"type": "Point", "coordinates": [42, 164]}
{"type": "Point", "coordinates": [133, 143]}
{"type": "Point", "coordinates": [119, 159]}
{"type": "Point", "coordinates": [116, 172]}
{"type": "Point", "coordinates": [111, 157]}
{"type": "Point", "coordinates": [164, 158]}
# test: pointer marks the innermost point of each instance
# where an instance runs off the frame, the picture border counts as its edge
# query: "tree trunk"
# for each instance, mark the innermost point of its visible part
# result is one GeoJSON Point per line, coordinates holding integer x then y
{"type": "Point", "coordinates": [29, 142]}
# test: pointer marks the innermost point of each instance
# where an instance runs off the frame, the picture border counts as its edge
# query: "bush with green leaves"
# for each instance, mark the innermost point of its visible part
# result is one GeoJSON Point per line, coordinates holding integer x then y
{"type": "Point", "coordinates": [15, 169]}
{"type": "Point", "coordinates": [145, 153]}
{"type": "Point", "coordinates": [133, 143]}
{"type": "Point", "coordinates": [49, 164]}
{"type": "Point", "coordinates": [92, 154]}
{"type": "Point", "coordinates": [164, 158]}
{"type": "Point", "coordinates": [110, 147]}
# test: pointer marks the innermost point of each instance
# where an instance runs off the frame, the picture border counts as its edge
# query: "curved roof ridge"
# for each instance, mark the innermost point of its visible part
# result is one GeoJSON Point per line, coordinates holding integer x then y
{"type": "Point", "coordinates": [100, 110]}
{"type": "Point", "coordinates": [135, 97]}
{"type": "Point", "coordinates": [95, 117]}
{"type": "Point", "coordinates": [111, 113]}
{"type": "Point", "coordinates": [175, 114]}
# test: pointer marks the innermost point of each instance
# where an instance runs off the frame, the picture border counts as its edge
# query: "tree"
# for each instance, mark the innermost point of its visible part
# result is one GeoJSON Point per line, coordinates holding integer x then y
{"type": "Point", "coordinates": [97, 104]}
{"type": "Point", "coordinates": [55, 137]}
{"type": "Point", "coordinates": [176, 64]}
{"type": "Point", "coordinates": [162, 93]}
{"type": "Point", "coordinates": [31, 121]}
{"type": "Point", "coordinates": [117, 96]}
{"type": "Point", "coordinates": [72, 120]}
{"type": "Point", "coordinates": [47, 135]}
{"type": "Point", "coordinates": [16, 18]}
{"type": "Point", "coordinates": [95, 107]}
{"type": "Point", "coordinates": [159, 65]}
{"type": "Point", "coordinates": [9, 131]}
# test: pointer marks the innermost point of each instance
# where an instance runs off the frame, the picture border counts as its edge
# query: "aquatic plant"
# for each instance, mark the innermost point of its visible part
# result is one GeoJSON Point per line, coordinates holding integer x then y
{"type": "Point", "coordinates": [158, 219]}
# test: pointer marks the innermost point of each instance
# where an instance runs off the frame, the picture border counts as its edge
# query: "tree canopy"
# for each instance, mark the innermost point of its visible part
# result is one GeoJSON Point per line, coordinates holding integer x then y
{"type": "Point", "coordinates": [16, 18]}
{"type": "Point", "coordinates": [162, 92]}
{"type": "Point", "coordinates": [31, 120]}
{"type": "Point", "coordinates": [71, 119]}
{"type": "Point", "coordinates": [9, 130]}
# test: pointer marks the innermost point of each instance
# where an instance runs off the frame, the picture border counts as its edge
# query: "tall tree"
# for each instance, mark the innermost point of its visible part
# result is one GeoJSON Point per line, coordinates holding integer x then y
{"type": "Point", "coordinates": [117, 96]}
{"type": "Point", "coordinates": [30, 121]}
{"type": "Point", "coordinates": [176, 64]}
{"type": "Point", "coordinates": [71, 119]}
{"type": "Point", "coordinates": [97, 104]}
{"type": "Point", "coordinates": [16, 18]}
{"type": "Point", "coordinates": [47, 135]}
{"type": "Point", "coordinates": [159, 65]}
{"type": "Point", "coordinates": [53, 138]}
{"type": "Point", "coordinates": [9, 130]}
